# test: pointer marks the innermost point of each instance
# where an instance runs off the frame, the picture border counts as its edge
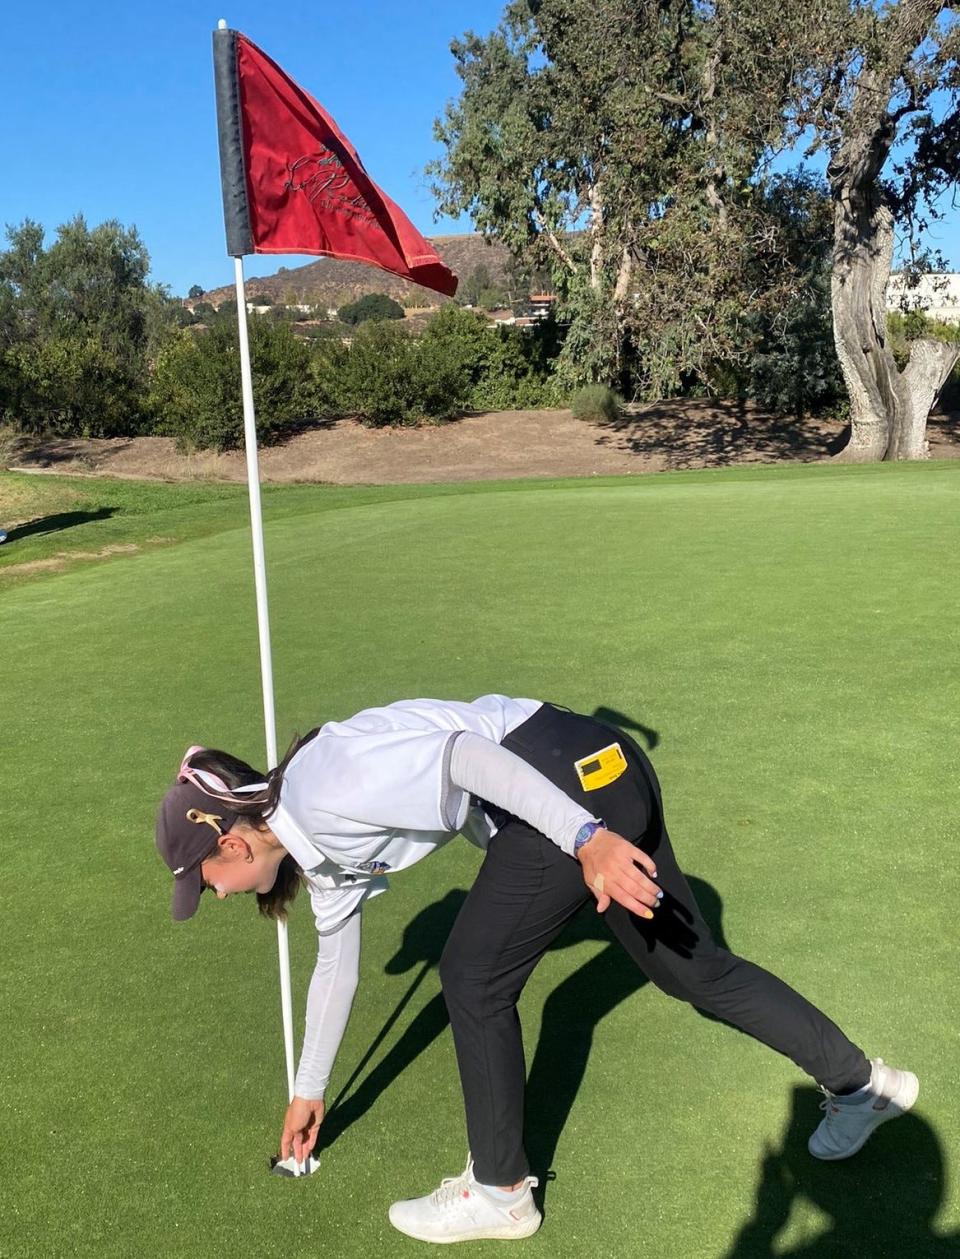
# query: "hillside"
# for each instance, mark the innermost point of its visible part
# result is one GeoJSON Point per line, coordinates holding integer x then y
{"type": "Point", "coordinates": [331, 282]}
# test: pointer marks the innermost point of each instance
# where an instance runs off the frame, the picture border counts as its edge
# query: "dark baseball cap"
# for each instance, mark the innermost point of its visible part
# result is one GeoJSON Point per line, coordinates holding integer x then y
{"type": "Point", "coordinates": [189, 826]}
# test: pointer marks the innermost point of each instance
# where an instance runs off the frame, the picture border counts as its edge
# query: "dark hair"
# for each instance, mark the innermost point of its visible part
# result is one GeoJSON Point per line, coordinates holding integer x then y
{"type": "Point", "coordinates": [255, 808]}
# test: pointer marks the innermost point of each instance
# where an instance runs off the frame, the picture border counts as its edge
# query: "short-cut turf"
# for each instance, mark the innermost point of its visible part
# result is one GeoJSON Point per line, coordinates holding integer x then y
{"type": "Point", "coordinates": [787, 637]}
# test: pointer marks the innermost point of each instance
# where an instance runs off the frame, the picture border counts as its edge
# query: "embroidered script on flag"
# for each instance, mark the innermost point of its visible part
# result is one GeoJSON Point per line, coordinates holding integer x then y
{"type": "Point", "coordinates": [327, 185]}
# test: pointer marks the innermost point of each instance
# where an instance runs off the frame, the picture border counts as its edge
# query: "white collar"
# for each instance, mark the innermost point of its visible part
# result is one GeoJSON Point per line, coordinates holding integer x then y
{"type": "Point", "coordinates": [296, 841]}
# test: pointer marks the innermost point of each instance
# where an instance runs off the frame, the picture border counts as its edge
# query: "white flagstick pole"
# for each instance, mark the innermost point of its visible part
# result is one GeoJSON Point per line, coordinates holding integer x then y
{"type": "Point", "coordinates": [263, 626]}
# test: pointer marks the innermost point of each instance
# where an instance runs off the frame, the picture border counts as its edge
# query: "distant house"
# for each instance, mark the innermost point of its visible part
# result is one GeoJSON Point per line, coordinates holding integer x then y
{"type": "Point", "coordinates": [254, 308]}
{"type": "Point", "coordinates": [936, 294]}
{"type": "Point", "coordinates": [540, 304]}
{"type": "Point", "coordinates": [533, 310]}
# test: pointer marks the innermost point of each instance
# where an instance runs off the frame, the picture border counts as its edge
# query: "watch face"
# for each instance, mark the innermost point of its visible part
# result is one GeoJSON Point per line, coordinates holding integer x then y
{"type": "Point", "coordinates": [585, 832]}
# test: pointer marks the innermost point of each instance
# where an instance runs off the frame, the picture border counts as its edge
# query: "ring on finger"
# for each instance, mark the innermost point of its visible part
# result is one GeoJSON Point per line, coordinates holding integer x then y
{"type": "Point", "coordinates": [598, 884]}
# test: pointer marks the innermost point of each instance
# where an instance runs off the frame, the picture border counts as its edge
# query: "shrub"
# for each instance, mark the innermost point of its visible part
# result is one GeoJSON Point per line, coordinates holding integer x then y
{"type": "Point", "coordinates": [505, 366]}
{"type": "Point", "coordinates": [388, 377]}
{"type": "Point", "coordinates": [517, 372]}
{"type": "Point", "coordinates": [196, 393]}
{"type": "Point", "coordinates": [71, 386]}
{"type": "Point", "coordinates": [460, 339]}
{"type": "Point", "coordinates": [443, 381]}
{"type": "Point", "coordinates": [370, 306]}
{"type": "Point", "coordinates": [595, 403]}
{"type": "Point", "coordinates": [912, 325]}
{"type": "Point", "coordinates": [324, 330]}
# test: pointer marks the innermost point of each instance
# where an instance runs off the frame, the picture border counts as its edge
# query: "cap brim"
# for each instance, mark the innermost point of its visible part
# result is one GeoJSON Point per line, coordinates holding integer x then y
{"type": "Point", "coordinates": [186, 895]}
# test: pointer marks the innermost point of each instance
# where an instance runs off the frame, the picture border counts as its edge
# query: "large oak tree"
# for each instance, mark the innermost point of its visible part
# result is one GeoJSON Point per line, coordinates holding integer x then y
{"type": "Point", "coordinates": [626, 145]}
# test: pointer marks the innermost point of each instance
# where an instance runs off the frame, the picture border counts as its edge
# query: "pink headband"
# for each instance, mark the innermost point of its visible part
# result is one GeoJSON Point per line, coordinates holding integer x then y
{"type": "Point", "coordinates": [211, 784]}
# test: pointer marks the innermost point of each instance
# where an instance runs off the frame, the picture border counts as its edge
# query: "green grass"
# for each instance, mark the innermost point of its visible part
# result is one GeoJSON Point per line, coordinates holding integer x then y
{"type": "Point", "coordinates": [790, 634]}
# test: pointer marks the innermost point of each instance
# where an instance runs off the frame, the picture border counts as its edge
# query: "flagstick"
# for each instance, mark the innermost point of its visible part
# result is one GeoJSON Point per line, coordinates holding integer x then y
{"type": "Point", "coordinates": [263, 626]}
{"type": "Point", "coordinates": [235, 58]}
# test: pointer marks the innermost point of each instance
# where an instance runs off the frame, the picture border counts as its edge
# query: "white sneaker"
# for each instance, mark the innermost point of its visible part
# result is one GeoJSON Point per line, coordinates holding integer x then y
{"type": "Point", "coordinates": [846, 1126]}
{"type": "Point", "coordinates": [459, 1211]}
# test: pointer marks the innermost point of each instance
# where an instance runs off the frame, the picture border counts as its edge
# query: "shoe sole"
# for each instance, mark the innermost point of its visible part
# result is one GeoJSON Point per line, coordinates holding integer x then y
{"type": "Point", "coordinates": [477, 1234]}
{"type": "Point", "coordinates": [899, 1105]}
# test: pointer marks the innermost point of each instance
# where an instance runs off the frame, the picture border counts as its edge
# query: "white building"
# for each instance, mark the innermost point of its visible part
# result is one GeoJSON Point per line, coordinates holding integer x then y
{"type": "Point", "coordinates": [937, 295]}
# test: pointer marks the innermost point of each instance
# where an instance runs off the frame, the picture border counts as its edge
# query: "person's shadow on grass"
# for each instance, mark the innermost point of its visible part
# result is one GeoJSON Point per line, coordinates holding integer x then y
{"type": "Point", "coordinates": [880, 1204]}
{"type": "Point", "coordinates": [570, 1016]}
{"type": "Point", "coordinates": [620, 721]}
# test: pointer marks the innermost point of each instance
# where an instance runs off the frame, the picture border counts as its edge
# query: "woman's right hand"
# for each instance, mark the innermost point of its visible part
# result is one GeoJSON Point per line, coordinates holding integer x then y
{"type": "Point", "coordinates": [610, 872]}
{"type": "Point", "coordinates": [300, 1127]}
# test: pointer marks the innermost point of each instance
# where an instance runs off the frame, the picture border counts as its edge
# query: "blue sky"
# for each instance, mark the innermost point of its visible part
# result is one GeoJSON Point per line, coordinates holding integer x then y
{"type": "Point", "coordinates": [110, 112]}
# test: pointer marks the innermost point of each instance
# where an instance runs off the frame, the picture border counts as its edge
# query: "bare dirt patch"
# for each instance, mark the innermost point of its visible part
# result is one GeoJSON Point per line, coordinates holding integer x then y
{"type": "Point", "coordinates": [56, 563]}
{"type": "Point", "coordinates": [492, 446]}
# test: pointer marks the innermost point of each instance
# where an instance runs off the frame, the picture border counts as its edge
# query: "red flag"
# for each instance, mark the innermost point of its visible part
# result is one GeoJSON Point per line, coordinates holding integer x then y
{"type": "Point", "coordinates": [304, 187]}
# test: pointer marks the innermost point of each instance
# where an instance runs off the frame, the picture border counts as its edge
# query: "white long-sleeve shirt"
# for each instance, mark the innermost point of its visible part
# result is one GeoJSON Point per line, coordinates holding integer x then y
{"type": "Point", "coordinates": [378, 793]}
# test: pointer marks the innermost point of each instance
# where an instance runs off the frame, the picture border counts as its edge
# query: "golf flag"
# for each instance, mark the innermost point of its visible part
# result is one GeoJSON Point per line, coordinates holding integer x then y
{"type": "Point", "coordinates": [292, 181]}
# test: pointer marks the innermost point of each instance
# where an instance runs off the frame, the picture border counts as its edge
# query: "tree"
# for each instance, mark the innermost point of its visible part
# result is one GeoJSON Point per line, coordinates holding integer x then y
{"type": "Point", "coordinates": [619, 144]}
{"type": "Point", "coordinates": [79, 324]}
{"type": "Point", "coordinates": [480, 289]}
{"type": "Point", "coordinates": [370, 306]}
{"type": "Point", "coordinates": [793, 366]}
{"type": "Point", "coordinates": [472, 285]}
{"type": "Point", "coordinates": [626, 145]}
{"type": "Point", "coordinates": [196, 389]}
{"type": "Point", "coordinates": [874, 108]}
{"type": "Point", "coordinates": [195, 291]}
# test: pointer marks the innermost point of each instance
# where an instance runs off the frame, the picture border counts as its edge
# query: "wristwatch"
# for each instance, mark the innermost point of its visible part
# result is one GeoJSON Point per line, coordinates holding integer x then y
{"type": "Point", "coordinates": [585, 834]}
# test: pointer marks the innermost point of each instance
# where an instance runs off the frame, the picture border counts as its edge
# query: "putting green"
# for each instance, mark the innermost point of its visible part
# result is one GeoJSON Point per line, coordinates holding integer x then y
{"type": "Point", "coordinates": [788, 639]}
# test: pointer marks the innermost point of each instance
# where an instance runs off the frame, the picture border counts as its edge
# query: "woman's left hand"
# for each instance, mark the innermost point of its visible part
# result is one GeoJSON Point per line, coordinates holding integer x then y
{"type": "Point", "coordinates": [610, 872]}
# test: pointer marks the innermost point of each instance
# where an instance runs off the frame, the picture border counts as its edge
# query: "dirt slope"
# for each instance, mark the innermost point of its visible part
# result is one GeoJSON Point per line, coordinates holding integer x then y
{"type": "Point", "coordinates": [499, 444]}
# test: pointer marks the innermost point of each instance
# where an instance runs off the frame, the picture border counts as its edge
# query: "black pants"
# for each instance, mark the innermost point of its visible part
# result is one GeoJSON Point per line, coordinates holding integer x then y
{"type": "Point", "coordinates": [526, 892]}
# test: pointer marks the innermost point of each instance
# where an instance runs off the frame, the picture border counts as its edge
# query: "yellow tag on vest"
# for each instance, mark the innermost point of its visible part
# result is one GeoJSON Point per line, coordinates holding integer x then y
{"type": "Point", "coordinates": [601, 768]}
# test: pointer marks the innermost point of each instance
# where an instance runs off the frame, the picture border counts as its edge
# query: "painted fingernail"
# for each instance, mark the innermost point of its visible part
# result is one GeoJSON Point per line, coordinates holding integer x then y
{"type": "Point", "coordinates": [648, 914]}
{"type": "Point", "coordinates": [660, 896]}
